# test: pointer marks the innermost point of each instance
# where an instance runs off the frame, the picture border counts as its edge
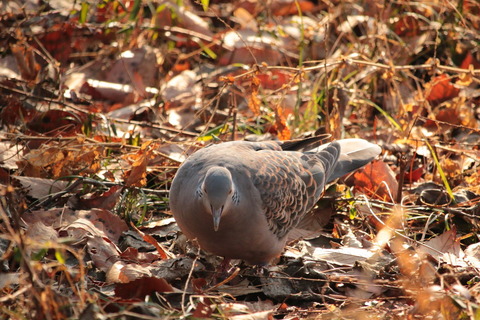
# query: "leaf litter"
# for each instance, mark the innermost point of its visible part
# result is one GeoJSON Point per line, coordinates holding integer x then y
{"type": "Point", "coordinates": [100, 103]}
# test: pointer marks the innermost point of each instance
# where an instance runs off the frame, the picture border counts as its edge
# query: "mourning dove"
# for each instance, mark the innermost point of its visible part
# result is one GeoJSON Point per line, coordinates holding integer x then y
{"type": "Point", "coordinates": [241, 199]}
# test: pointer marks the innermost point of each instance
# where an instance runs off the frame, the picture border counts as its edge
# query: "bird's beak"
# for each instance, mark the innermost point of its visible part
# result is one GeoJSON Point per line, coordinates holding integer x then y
{"type": "Point", "coordinates": [217, 214]}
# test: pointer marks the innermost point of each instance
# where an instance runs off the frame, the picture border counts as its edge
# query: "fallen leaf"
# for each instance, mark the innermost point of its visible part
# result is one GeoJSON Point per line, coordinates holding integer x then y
{"type": "Point", "coordinates": [445, 248]}
{"type": "Point", "coordinates": [440, 89]}
{"type": "Point", "coordinates": [54, 160]}
{"type": "Point", "coordinates": [39, 188]}
{"type": "Point", "coordinates": [204, 309]}
{"type": "Point", "coordinates": [345, 256]}
{"type": "Point", "coordinates": [137, 176]}
{"type": "Point", "coordinates": [105, 200]}
{"type": "Point", "coordinates": [376, 179]}
{"type": "Point", "coordinates": [469, 61]}
{"type": "Point", "coordinates": [286, 8]}
{"type": "Point", "coordinates": [103, 252]}
{"type": "Point", "coordinates": [407, 26]}
{"type": "Point", "coordinates": [142, 287]}
{"type": "Point", "coordinates": [149, 239]}
{"type": "Point", "coordinates": [133, 255]}
{"type": "Point", "coordinates": [58, 40]}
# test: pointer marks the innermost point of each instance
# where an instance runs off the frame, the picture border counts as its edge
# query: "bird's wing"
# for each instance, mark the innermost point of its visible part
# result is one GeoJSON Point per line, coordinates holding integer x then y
{"type": "Point", "coordinates": [290, 183]}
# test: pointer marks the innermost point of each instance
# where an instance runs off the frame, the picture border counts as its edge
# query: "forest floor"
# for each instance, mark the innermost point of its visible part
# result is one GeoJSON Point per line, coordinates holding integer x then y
{"type": "Point", "coordinates": [101, 101]}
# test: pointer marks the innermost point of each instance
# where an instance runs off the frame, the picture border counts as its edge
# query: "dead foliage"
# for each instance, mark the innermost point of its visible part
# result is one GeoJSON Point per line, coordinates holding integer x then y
{"type": "Point", "coordinates": [101, 101]}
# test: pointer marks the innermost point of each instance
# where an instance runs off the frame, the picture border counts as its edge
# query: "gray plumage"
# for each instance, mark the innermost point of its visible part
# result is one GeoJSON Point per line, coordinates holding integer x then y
{"type": "Point", "coordinates": [240, 199]}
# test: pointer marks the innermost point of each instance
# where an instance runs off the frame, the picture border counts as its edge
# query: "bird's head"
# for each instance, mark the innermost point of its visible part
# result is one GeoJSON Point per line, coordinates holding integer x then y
{"type": "Point", "coordinates": [218, 189]}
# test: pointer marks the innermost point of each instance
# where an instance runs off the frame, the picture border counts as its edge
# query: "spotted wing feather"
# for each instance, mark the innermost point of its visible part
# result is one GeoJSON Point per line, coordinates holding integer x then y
{"type": "Point", "coordinates": [290, 183]}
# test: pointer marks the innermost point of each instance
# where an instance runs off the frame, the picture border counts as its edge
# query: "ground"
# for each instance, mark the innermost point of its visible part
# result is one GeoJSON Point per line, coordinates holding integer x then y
{"type": "Point", "coordinates": [100, 102]}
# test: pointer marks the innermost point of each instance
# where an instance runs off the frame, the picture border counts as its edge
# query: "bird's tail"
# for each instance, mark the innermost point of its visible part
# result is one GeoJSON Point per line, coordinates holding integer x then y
{"type": "Point", "coordinates": [354, 154]}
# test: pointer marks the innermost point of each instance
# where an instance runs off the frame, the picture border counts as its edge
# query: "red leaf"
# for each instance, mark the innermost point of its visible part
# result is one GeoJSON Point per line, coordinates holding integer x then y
{"type": "Point", "coordinates": [407, 26]}
{"type": "Point", "coordinates": [470, 60]}
{"type": "Point", "coordinates": [58, 41]}
{"type": "Point", "coordinates": [203, 310]}
{"type": "Point", "coordinates": [441, 89]}
{"type": "Point", "coordinates": [413, 175]}
{"type": "Point", "coordinates": [140, 288]}
{"type": "Point", "coordinates": [274, 80]}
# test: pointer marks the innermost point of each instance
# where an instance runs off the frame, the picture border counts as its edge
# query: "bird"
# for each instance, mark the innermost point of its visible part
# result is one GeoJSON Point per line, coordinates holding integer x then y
{"type": "Point", "coordinates": [241, 199]}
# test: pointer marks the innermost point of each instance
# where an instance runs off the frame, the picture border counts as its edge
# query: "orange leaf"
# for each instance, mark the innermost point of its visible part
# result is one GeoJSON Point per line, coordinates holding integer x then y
{"type": "Point", "coordinates": [253, 101]}
{"type": "Point", "coordinates": [449, 115]}
{"type": "Point", "coordinates": [274, 80]}
{"type": "Point", "coordinates": [161, 251]}
{"type": "Point", "coordinates": [137, 176]}
{"type": "Point", "coordinates": [285, 8]}
{"type": "Point", "coordinates": [376, 179]}
{"type": "Point", "coordinates": [283, 132]}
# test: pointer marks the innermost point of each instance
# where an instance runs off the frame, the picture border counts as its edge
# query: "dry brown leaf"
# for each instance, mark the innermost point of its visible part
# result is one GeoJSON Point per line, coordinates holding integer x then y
{"type": "Point", "coordinates": [451, 167]}
{"type": "Point", "coordinates": [274, 79]}
{"type": "Point", "coordinates": [14, 112]}
{"type": "Point", "coordinates": [133, 255]}
{"type": "Point", "coordinates": [38, 188]}
{"type": "Point", "coordinates": [182, 90]}
{"type": "Point", "coordinates": [469, 61]}
{"type": "Point", "coordinates": [57, 40]}
{"type": "Point", "coordinates": [122, 272]}
{"type": "Point", "coordinates": [464, 80]}
{"type": "Point", "coordinates": [137, 176]}
{"type": "Point", "coordinates": [105, 200]}
{"type": "Point", "coordinates": [56, 160]}
{"type": "Point", "coordinates": [41, 234]}
{"type": "Point", "coordinates": [445, 248]}
{"type": "Point", "coordinates": [25, 57]}
{"type": "Point", "coordinates": [104, 253]}
{"type": "Point", "coordinates": [9, 155]}
{"type": "Point", "coordinates": [247, 47]}
{"type": "Point", "coordinates": [83, 222]}
{"type": "Point", "coordinates": [245, 18]}
{"type": "Point", "coordinates": [342, 256]}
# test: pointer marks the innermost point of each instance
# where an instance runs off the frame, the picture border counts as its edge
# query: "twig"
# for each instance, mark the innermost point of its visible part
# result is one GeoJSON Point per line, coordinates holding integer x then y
{"type": "Point", "coordinates": [190, 273]}
{"type": "Point", "coordinates": [323, 64]}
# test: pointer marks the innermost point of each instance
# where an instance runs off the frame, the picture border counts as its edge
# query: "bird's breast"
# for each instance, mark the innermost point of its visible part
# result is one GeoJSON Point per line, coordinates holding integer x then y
{"type": "Point", "coordinates": [243, 233]}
